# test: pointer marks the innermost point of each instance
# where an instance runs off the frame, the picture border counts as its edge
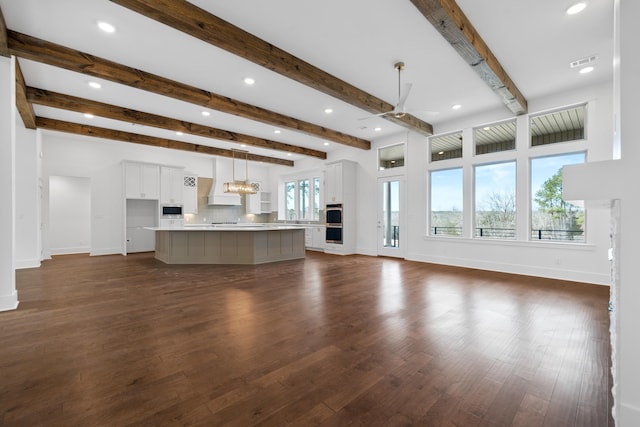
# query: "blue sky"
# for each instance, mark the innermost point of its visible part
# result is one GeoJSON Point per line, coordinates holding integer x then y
{"type": "Point", "coordinates": [447, 184]}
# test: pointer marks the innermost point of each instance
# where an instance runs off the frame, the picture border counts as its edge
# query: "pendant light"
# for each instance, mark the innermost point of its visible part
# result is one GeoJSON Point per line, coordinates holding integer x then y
{"type": "Point", "coordinates": [240, 187]}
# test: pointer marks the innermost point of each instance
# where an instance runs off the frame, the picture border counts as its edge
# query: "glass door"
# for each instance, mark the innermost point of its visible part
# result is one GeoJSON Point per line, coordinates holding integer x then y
{"type": "Point", "coordinates": [390, 217]}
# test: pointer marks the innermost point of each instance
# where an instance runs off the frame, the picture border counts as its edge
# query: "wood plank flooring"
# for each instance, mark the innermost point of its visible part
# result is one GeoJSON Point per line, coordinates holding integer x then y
{"type": "Point", "coordinates": [324, 341]}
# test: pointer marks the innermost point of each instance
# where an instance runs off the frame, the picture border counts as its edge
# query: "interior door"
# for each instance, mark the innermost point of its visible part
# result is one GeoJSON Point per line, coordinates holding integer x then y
{"type": "Point", "coordinates": [390, 216]}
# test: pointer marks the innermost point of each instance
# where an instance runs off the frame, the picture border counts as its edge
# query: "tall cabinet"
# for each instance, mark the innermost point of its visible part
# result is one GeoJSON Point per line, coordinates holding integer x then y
{"type": "Point", "coordinates": [340, 183]}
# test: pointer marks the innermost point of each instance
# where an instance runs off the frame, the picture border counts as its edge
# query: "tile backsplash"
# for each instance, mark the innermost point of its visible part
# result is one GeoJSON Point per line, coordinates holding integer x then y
{"type": "Point", "coordinates": [208, 214]}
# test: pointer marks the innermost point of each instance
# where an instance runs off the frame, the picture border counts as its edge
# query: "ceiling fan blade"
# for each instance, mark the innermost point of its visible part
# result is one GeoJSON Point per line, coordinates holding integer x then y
{"type": "Point", "coordinates": [375, 115]}
{"type": "Point", "coordinates": [404, 95]}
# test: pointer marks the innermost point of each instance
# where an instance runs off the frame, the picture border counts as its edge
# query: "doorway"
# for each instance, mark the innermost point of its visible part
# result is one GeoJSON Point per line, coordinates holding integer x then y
{"type": "Point", "coordinates": [69, 215]}
{"type": "Point", "coordinates": [390, 217]}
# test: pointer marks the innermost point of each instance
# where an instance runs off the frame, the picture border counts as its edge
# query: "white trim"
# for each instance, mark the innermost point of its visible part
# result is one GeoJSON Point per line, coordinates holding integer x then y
{"type": "Point", "coordinates": [527, 270]}
{"type": "Point", "coordinates": [9, 302]}
{"type": "Point", "coordinates": [27, 263]}
{"type": "Point", "coordinates": [106, 251]}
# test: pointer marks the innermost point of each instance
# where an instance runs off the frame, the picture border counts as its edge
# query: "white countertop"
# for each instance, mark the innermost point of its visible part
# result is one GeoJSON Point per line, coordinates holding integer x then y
{"type": "Point", "coordinates": [234, 227]}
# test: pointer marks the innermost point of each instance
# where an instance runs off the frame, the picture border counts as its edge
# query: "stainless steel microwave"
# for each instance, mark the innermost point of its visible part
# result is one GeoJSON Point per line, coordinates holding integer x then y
{"type": "Point", "coordinates": [171, 211]}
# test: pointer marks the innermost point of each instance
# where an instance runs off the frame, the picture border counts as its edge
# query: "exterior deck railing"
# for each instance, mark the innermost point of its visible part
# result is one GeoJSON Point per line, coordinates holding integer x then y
{"type": "Point", "coordinates": [510, 233]}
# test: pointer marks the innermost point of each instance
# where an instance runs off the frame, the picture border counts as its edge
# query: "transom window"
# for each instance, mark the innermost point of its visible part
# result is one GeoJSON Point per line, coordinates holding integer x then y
{"type": "Point", "coordinates": [495, 138]}
{"type": "Point", "coordinates": [445, 147]}
{"type": "Point", "coordinates": [558, 126]}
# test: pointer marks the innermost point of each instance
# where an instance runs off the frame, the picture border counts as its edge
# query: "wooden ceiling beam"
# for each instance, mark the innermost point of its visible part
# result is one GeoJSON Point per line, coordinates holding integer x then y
{"type": "Point", "coordinates": [134, 138]}
{"type": "Point", "coordinates": [81, 105]}
{"type": "Point", "coordinates": [4, 43]}
{"type": "Point", "coordinates": [49, 53]}
{"type": "Point", "coordinates": [24, 106]}
{"type": "Point", "coordinates": [192, 20]}
{"type": "Point", "coordinates": [447, 17]}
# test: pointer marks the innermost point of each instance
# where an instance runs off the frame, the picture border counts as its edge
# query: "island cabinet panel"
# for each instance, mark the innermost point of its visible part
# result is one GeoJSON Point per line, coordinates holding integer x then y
{"type": "Point", "coordinates": [229, 247]}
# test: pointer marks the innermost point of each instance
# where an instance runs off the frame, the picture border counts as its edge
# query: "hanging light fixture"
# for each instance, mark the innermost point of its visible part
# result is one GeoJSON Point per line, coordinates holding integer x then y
{"type": "Point", "coordinates": [240, 187]}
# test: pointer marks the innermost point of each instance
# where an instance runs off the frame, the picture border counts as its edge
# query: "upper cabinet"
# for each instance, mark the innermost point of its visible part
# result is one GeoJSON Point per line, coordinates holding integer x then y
{"type": "Point", "coordinates": [190, 193]}
{"type": "Point", "coordinates": [171, 185]}
{"type": "Point", "coordinates": [258, 203]}
{"type": "Point", "coordinates": [142, 180]}
{"type": "Point", "coordinates": [338, 181]}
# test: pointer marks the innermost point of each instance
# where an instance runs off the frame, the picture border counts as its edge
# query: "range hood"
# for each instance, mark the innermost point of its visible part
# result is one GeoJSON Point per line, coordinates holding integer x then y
{"type": "Point", "coordinates": [216, 195]}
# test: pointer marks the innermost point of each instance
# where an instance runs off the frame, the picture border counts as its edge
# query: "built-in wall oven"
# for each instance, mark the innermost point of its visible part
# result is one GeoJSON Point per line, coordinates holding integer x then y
{"type": "Point", "coordinates": [333, 214]}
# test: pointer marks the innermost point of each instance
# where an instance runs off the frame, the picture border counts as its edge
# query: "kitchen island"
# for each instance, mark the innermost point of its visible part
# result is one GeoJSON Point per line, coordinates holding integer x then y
{"type": "Point", "coordinates": [229, 244]}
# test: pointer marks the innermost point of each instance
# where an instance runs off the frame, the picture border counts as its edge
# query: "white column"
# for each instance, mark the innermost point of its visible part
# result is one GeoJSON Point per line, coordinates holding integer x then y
{"type": "Point", "coordinates": [8, 293]}
{"type": "Point", "coordinates": [626, 99]}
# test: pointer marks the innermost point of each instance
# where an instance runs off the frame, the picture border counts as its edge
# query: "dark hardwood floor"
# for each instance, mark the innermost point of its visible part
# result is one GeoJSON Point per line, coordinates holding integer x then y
{"type": "Point", "coordinates": [325, 341]}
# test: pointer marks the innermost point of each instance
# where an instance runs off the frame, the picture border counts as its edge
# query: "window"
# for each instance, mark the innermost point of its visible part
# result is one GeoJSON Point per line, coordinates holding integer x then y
{"type": "Point", "coordinates": [303, 197]}
{"type": "Point", "coordinates": [446, 202]}
{"type": "Point", "coordinates": [551, 217]}
{"type": "Point", "coordinates": [446, 146]}
{"type": "Point", "coordinates": [495, 194]}
{"type": "Point", "coordinates": [558, 126]}
{"type": "Point", "coordinates": [290, 200]}
{"type": "Point", "coordinates": [391, 157]}
{"type": "Point", "coordinates": [301, 201]}
{"type": "Point", "coordinates": [316, 199]}
{"type": "Point", "coordinates": [494, 138]}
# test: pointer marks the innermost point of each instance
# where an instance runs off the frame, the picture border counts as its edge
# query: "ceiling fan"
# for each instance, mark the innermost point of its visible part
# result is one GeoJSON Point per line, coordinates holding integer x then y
{"type": "Point", "coordinates": [403, 94]}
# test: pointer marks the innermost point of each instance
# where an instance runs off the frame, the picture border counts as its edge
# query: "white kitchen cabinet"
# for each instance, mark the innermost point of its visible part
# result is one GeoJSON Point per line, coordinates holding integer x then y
{"type": "Point", "coordinates": [340, 188]}
{"type": "Point", "coordinates": [190, 193]}
{"type": "Point", "coordinates": [318, 237]}
{"type": "Point", "coordinates": [314, 237]}
{"type": "Point", "coordinates": [265, 202]}
{"type": "Point", "coordinates": [141, 180]}
{"type": "Point", "coordinates": [171, 185]}
{"type": "Point", "coordinates": [258, 203]}
{"type": "Point", "coordinates": [333, 183]}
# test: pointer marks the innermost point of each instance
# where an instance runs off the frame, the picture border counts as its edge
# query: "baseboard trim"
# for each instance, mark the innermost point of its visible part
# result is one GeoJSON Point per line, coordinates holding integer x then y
{"type": "Point", "coordinates": [9, 302]}
{"type": "Point", "coordinates": [527, 270]}
{"type": "Point", "coordinates": [27, 263]}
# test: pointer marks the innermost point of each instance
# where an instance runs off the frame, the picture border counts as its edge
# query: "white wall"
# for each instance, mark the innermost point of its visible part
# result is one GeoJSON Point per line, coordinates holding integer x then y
{"type": "Point", "coordinates": [28, 249]}
{"type": "Point", "coordinates": [8, 294]}
{"type": "Point", "coordinates": [69, 215]}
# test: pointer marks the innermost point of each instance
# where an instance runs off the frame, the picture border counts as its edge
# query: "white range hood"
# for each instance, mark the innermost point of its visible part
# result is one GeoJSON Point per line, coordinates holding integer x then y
{"type": "Point", "coordinates": [221, 175]}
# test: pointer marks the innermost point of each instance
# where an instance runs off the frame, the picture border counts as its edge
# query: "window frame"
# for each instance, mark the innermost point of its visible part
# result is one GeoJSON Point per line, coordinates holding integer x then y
{"type": "Point", "coordinates": [474, 214]}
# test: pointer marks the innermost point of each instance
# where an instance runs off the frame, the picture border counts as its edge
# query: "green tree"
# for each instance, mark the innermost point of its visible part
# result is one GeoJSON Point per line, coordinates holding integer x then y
{"type": "Point", "coordinates": [563, 216]}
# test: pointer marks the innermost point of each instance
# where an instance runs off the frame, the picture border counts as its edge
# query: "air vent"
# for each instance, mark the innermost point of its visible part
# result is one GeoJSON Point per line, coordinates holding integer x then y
{"type": "Point", "coordinates": [583, 61]}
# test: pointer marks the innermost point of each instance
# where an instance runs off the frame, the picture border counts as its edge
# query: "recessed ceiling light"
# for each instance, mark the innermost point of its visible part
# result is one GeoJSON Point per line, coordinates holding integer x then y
{"type": "Point", "coordinates": [179, 133]}
{"type": "Point", "coordinates": [106, 27]}
{"type": "Point", "coordinates": [326, 144]}
{"type": "Point", "coordinates": [377, 129]}
{"type": "Point", "coordinates": [249, 81]}
{"type": "Point", "coordinates": [95, 85]}
{"type": "Point", "coordinates": [586, 70]}
{"type": "Point", "coordinates": [486, 128]}
{"type": "Point", "coordinates": [328, 110]}
{"type": "Point", "coordinates": [456, 107]}
{"type": "Point", "coordinates": [441, 152]}
{"type": "Point", "coordinates": [277, 131]}
{"type": "Point", "coordinates": [88, 115]}
{"type": "Point", "coordinates": [206, 113]}
{"type": "Point", "coordinates": [576, 8]}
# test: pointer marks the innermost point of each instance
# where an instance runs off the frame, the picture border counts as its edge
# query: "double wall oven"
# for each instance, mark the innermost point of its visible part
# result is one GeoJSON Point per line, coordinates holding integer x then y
{"type": "Point", "coordinates": [333, 213]}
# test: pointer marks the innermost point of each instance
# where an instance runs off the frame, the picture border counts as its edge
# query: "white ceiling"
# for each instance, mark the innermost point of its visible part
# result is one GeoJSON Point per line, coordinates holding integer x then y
{"type": "Point", "coordinates": [357, 41]}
